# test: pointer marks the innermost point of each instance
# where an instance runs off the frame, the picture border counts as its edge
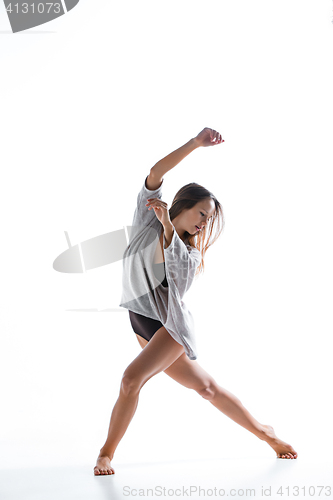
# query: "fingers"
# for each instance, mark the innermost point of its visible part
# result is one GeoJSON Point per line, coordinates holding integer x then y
{"type": "Point", "coordinates": [156, 203]}
{"type": "Point", "coordinates": [215, 137]}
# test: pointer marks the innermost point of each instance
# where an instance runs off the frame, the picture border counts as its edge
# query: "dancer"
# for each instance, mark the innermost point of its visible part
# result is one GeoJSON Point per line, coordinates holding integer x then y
{"type": "Point", "coordinates": [164, 254]}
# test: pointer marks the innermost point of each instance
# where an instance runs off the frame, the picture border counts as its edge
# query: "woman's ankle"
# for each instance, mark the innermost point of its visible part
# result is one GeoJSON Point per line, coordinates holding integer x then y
{"type": "Point", "coordinates": [104, 452]}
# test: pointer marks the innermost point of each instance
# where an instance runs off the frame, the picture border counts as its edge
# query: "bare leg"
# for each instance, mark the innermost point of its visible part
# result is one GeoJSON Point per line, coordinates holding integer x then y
{"type": "Point", "coordinates": [231, 406]}
{"type": "Point", "coordinates": [190, 374]}
{"type": "Point", "coordinates": [121, 416]}
{"type": "Point", "coordinates": [161, 352]}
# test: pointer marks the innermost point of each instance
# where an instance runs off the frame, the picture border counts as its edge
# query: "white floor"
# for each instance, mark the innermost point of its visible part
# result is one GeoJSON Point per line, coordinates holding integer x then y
{"type": "Point", "coordinates": [216, 478]}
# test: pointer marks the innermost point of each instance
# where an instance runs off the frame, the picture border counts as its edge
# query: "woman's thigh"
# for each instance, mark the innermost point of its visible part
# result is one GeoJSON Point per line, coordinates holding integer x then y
{"type": "Point", "coordinates": [159, 353]}
{"type": "Point", "coordinates": [190, 374]}
{"type": "Point", "coordinates": [143, 342]}
{"type": "Point", "coordinates": [187, 372]}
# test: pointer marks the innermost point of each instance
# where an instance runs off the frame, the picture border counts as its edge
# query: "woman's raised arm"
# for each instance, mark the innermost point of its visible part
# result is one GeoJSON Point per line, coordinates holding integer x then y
{"type": "Point", "coordinates": [207, 137]}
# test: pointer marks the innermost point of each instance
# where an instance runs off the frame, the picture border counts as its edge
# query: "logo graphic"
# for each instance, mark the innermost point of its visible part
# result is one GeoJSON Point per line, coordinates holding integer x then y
{"type": "Point", "coordinates": [113, 247]}
{"type": "Point", "coordinates": [90, 254]}
{"type": "Point", "coordinates": [24, 15]}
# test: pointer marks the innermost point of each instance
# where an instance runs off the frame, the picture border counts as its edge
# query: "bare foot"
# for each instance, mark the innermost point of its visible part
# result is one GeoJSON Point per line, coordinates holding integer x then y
{"type": "Point", "coordinates": [283, 449]}
{"type": "Point", "coordinates": [103, 466]}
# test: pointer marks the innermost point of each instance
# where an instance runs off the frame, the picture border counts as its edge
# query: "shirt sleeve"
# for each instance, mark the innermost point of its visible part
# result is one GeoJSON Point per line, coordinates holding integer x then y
{"type": "Point", "coordinates": [181, 263]}
{"type": "Point", "coordinates": [143, 216]}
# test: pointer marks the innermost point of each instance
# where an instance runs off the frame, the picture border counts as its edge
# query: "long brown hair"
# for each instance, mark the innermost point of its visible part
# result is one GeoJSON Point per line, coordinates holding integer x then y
{"type": "Point", "coordinates": [188, 196]}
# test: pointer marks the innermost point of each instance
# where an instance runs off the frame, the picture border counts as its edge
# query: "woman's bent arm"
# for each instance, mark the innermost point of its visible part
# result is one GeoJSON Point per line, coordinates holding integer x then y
{"type": "Point", "coordinates": [163, 166]}
{"type": "Point", "coordinates": [207, 137]}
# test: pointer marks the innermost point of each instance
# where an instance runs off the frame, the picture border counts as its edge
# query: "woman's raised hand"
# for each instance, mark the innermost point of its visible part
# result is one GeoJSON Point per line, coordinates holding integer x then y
{"type": "Point", "coordinates": [208, 137]}
{"type": "Point", "coordinates": [160, 208]}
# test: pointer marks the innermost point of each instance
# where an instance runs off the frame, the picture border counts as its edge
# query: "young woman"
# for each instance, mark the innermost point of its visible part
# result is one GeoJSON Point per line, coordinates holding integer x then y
{"type": "Point", "coordinates": [160, 319]}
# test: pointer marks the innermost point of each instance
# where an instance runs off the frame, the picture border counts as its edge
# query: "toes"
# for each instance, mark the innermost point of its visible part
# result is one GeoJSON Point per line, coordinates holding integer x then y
{"type": "Point", "coordinates": [103, 472]}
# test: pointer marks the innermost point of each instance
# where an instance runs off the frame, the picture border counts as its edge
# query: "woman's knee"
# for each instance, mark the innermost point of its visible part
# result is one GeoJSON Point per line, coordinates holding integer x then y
{"type": "Point", "coordinates": [130, 383]}
{"type": "Point", "coordinates": [208, 389]}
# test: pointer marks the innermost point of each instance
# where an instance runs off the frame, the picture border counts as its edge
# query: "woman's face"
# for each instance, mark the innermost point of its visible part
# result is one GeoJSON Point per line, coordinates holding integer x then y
{"type": "Point", "coordinates": [198, 215]}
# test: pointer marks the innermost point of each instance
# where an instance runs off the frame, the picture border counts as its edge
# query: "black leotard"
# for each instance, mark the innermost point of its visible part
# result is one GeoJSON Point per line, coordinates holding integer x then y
{"type": "Point", "coordinates": [143, 326]}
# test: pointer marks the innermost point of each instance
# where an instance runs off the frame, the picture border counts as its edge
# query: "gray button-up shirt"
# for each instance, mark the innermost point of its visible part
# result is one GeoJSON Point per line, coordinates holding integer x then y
{"type": "Point", "coordinates": [142, 291]}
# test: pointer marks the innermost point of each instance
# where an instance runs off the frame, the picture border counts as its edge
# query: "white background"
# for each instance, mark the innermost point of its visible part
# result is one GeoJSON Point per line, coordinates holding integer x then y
{"type": "Point", "coordinates": [89, 103]}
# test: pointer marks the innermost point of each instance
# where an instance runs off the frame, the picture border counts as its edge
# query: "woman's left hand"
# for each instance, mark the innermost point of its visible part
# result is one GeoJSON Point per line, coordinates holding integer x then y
{"type": "Point", "coordinates": [160, 208]}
